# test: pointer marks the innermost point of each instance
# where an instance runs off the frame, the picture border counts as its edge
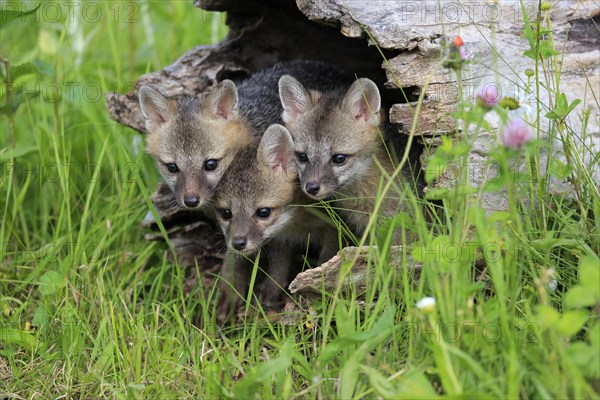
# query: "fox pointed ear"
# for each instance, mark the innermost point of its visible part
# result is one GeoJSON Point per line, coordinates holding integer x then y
{"type": "Point", "coordinates": [363, 101]}
{"type": "Point", "coordinates": [156, 108]}
{"type": "Point", "coordinates": [222, 100]}
{"type": "Point", "coordinates": [276, 147]}
{"type": "Point", "coordinates": [294, 97]}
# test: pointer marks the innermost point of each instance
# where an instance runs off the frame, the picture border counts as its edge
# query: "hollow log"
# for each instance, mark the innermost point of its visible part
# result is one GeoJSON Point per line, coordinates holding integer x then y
{"type": "Point", "coordinates": [399, 45]}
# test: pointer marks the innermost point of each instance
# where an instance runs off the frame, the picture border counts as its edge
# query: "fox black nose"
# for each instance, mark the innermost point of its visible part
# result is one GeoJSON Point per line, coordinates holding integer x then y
{"type": "Point", "coordinates": [239, 242]}
{"type": "Point", "coordinates": [312, 188]}
{"type": "Point", "coordinates": [191, 201]}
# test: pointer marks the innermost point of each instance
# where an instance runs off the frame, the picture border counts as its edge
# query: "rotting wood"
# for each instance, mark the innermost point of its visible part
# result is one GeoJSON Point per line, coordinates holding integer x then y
{"type": "Point", "coordinates": [325, 278]}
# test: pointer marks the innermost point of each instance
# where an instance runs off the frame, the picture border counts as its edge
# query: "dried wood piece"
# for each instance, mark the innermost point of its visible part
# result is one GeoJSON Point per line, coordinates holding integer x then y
{"type": "Point", "coordinates": [433, 118]}
{"type": "Point", "coordinates": [312, 283]}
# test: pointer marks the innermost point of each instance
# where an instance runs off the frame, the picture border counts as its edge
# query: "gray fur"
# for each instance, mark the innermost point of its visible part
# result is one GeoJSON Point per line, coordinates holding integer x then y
{"type": "Point", "coordinates": [222, 100]}
{"type": "Point", "coordinates": [254, 181]}
{"type": "Point", "coordinates": [154, 106]}
{"type": "Point", "coordinates": [260, 105]}
{"type": "Point", "coordinates": [363, 100]}
{"type": "Point", "coordinates": [344, 121]}
{"type": "Point", "coordinates": [189, 131]}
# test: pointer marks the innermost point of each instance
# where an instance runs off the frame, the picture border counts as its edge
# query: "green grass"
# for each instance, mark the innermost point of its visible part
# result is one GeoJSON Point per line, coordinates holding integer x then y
{"type": "Point", "coordinates": [90, 309]}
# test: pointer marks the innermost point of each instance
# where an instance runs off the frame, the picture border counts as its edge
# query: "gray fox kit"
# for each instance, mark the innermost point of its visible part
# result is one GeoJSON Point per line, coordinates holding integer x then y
{"type": "Point", "coordinates": [337, 138]}
{"type": "Point", "coordinates": [259, 206]}
{"type": "Point", "coordinates": [194, 139]}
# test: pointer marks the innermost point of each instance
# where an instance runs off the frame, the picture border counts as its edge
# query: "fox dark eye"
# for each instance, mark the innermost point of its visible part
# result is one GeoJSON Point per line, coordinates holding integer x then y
{"type": "Point", "coordinates": [225, 213]}
{"type": "Point", "coordinates": [172, 167]}
{"type": "Point", "coordinates": [302, 157]}
{"type": "Point", "coordinates": [339, 158]}
{"type": "Point", "coordinates": [211, 165]}
{"type": "Point", "coordinates": [263, 212]}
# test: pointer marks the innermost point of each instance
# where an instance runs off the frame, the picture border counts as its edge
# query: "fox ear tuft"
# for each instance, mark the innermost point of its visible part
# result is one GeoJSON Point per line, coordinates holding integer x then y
{"type": "Point", "coordinates": [156, 108]}
{"type": "Point", "coordinates": [363, 101]}
{"type": "Point", "coordinates": [294, 98]}
{"type": "Point", "coordinates": [222, 100]}
{"type": "Point", "coordinates": [276, 147]}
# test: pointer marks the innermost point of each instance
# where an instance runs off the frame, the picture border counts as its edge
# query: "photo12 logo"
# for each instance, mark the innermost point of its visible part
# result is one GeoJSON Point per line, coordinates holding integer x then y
{"type": "Point", "coordinates": [69, 91]}
{"type": "Point", "coordinates": [472, 331]}
{"type": "Point", "coordinates": [55, 172]}
{"type": "Point", "coordinates": [72, 11]}
{"type": "Point", "coordinates": [464, 12]}
{"type": "Point", "coordinates": [73, 252]}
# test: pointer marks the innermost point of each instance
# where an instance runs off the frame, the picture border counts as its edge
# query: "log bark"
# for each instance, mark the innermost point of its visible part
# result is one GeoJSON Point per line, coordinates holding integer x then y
{"type": "Point", "coordinates": [312, 283]}
{"type": "Point", "coordinates": [412, 37]}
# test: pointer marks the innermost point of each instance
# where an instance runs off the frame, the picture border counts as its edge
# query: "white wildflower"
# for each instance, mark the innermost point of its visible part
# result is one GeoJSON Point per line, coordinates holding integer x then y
{"type": "Point", "coordinates": [426, 303]}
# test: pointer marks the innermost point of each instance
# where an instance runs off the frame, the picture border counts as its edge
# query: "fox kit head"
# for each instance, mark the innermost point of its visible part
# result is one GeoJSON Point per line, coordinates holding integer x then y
{"type": "Point", "coordinates": [334, 133]}
{"type": "Point", "coordinates": [193, 139]}
{"type": "Point", "coordinates": [253, 198]}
